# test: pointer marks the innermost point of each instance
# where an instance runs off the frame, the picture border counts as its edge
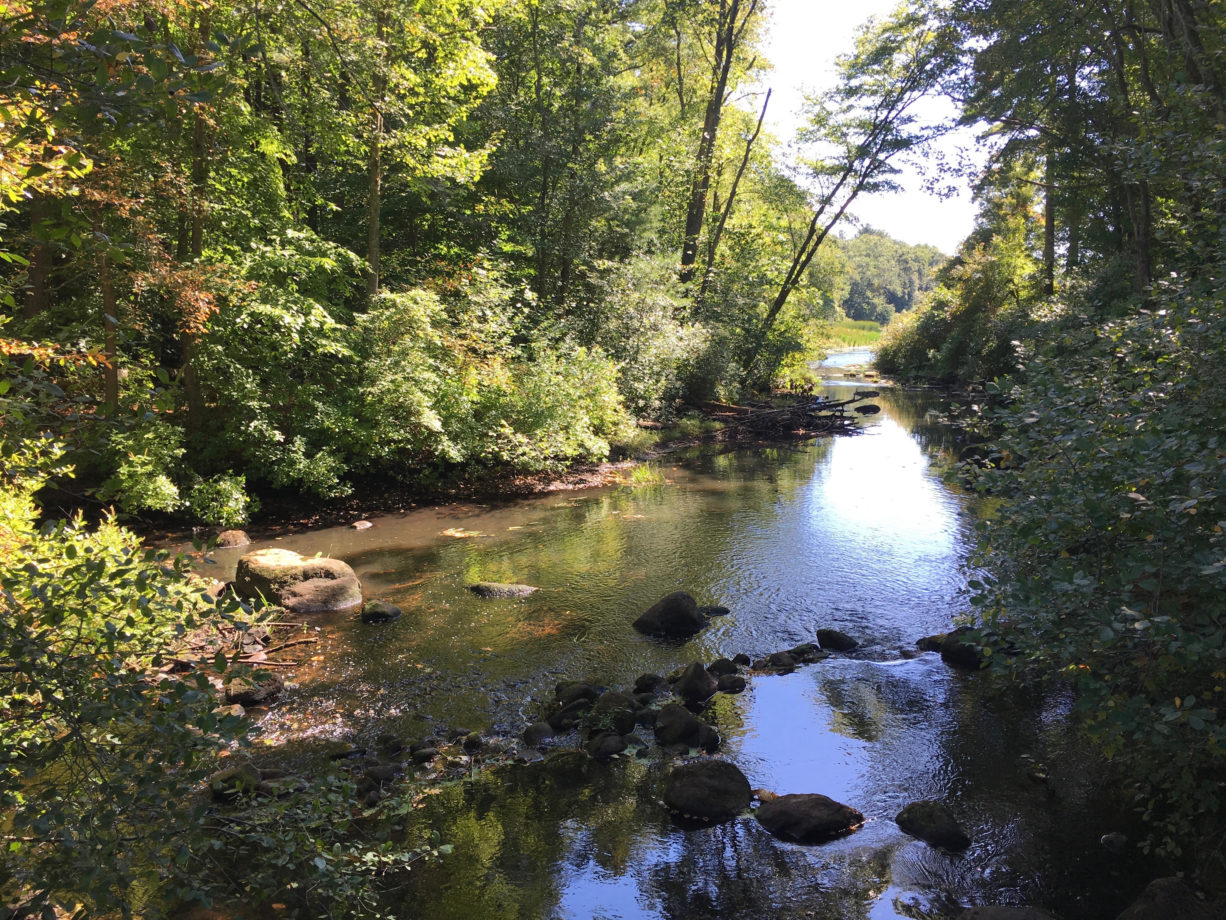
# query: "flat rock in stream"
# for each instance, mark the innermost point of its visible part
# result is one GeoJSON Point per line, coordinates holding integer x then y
{"type": "Point", "coordinates": [675, 616]}
{"type": "Point", "coordinates": [710, 791]}
{"type": "Point", "coordinates": [807, 818]}
{"type": "Point", "coordinates": [933, 823]}
{"type": "Point", "coordinates": [296, 582]}
{"type": "Point", "coordinates": [497, 589]}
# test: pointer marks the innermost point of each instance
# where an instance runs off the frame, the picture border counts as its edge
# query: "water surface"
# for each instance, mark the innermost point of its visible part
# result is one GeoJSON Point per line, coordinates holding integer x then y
{"type": "Point", "coordinates": [857, 533]}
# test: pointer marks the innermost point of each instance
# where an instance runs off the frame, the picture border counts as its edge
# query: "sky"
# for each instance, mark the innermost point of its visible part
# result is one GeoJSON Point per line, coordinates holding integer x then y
{"type": "Point", "coordinates": [803, 41]}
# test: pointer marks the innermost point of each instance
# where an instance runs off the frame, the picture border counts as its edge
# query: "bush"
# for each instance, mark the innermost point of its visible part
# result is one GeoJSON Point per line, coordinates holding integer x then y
{"type": "Point", "coordinates": [222, 501]}
{"type": "Point", "coordinates": [1108, 550]}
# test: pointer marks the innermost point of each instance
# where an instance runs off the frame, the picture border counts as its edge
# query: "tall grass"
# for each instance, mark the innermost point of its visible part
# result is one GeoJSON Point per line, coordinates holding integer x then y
{"type": "Point", "coordinates": [854, 333]}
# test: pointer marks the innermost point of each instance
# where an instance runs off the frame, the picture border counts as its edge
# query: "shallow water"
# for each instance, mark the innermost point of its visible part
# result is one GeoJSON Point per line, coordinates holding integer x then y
{"type": "Point", "coordinates": [857, 533]}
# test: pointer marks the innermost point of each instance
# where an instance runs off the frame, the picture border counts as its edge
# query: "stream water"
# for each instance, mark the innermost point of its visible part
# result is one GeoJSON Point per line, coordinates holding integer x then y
{"type": "Point", "coordinates": [857, 533]}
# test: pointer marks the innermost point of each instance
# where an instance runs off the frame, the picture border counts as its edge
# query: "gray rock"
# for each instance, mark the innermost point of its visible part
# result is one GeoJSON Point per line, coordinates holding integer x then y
{"type": "Point", "coordinates": [695, 684]}
{"type": "Point", "coordinates": [677, 726]}
{"type": "Point", "coordinates": [570, 716]}
{"type": "Point", "coordinates": [568, 691]}
{"type": "Point", "coordinates": [675, 616]}
{"type": "Point", "coordinates": [962, 650]}
{"type": "Point", "coordinates": [710, 791]}
{"type": "Point", "coordinates": [933, 823]}
{"type": "Point", "coordinates": [931, 643]}
{"type": "Point", "coordinates": [781, 661]}
{"type": "Point", "coordinates": [836, 640]}
{"type": "Point", "coordinates": [1170, 899]}
{"type": "Point", "coordinates": [297, 583]}
{"type": "Point", "coordinates": [537, 734]}
{"type": "Point", "coordinates": [380, 612]}
{"type": "Point", "coordinates": [614, 710]}
{"type": "Point", "coordinates": [495, 589]}
{"type": "Point", "coordinates": [730, 683]}
{"type": "Point", "coordinates": [648, 683]}
{"type": "Point", "coordinates": [361, 525]}
{"type": "Point", "coordinates": [424, 755]}
{"type": "Point", "coordinates": [810, 818]}
{"type": "Point", "coordinates": [721, 666]}
{"type": "Point", "coordinates": [606, 745]}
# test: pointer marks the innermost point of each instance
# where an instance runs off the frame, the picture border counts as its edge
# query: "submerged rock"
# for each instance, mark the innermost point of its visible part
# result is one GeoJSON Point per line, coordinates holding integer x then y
{"type": "Point", "coordinates": [1170, 898]}
{"type": "Point", "coordinates": [710, 791]}
{"type": "Point", "coordinates": [495, 589]}
{"type": "Point", "coordinates": [933, 823]}
{"type": "Point", "coordinates": [677, 726]}
{"type": "Point", "coordinates": [674, 616]}
{"type": "Point", "coordinates": [809, 818]}
{"type": "Point", "coordinates": [695, 685]}
{"type": "Point", "coordinates": [258, 689]}
{"type": "Point", "coordinates": [836, 640]}
{"type": "Point", "coordinates": [714, 610]}
{"type": "Point", "coordinates": [380, 612]}
{"type": "Point", "coordinates": [297, 583]}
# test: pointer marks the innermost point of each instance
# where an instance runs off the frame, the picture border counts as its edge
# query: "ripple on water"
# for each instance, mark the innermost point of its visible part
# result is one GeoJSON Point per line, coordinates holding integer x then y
{"type": "Point", "coordinates": [858, 534]}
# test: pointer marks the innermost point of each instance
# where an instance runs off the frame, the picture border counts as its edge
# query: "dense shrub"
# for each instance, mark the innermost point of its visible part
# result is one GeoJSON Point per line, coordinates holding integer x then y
{"type": "Point", "coordinates": [1107, 553]}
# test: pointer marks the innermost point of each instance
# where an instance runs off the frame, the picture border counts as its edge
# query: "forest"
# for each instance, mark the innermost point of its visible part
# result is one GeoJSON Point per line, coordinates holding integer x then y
{"type": "Point", "coordinates": [308, 247]}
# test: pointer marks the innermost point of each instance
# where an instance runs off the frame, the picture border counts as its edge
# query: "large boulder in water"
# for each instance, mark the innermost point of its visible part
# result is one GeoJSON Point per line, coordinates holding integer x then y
{"type": "Point", "coordinates": [615, 710]}
{"type": "Point", "coordinates": [836, 640]}
{"type": "Point", "coordinates": [1168, 898]}
{"type": "Point", "coordinates": [810, 818]}
{"type": "Point", "coordinates": [296, 582]}
{"type": "Point", "coordinates": [961, 649]}
{"type": "Point", "coordinates": [674, 616]}
{"type": "Point", "coordinates": [709, 790]}
{"type": "Point", "coordinates": [933, 823]}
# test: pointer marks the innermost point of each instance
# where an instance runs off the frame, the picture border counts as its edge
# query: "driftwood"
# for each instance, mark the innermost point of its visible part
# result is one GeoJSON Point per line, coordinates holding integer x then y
{"type": "Point", "coordinates": [802, 419]}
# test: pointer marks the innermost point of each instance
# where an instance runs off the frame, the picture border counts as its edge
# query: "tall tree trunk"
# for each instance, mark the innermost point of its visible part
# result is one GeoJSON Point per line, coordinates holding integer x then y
{"type": "Point", "coordinates": [1049, 226]}
{"type": "Point", "coordinates": [110, 323]}
{"type": "Point", "coordinates": [1140, 217]}
{"type": "Point", "coordinates": [374, 198]}
{"type": "Point", "coordinates": [37, 298]}
{"type": "Point", "coordinates": [199, 179]}
{"type": "Point", "coordinates": [728, 33]}
{"type": "Point", "coordinates": [727, 209]}
{"type": "Point", "coordinates": [542, 199]}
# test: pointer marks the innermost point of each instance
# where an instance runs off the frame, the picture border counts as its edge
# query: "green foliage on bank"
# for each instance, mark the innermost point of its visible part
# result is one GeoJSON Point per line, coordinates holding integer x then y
{"type": "Point", "coordinates": [1089, 302]}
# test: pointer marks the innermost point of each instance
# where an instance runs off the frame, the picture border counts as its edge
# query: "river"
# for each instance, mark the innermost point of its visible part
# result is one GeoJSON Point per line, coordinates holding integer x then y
{"type": "Point", "coordinates": [857, 533]}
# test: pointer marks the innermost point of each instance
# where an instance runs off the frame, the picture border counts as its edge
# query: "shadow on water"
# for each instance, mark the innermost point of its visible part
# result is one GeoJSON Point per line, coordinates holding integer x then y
{"type": "Point", "coordinates": [859, 534]}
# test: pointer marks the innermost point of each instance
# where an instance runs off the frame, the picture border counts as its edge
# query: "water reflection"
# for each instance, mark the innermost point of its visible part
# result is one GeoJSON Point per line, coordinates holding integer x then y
{"type": "Point", "coordinates": [858, 533]}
